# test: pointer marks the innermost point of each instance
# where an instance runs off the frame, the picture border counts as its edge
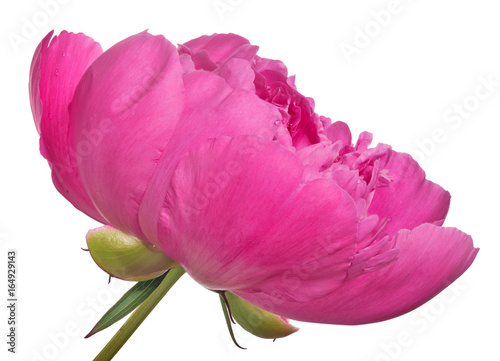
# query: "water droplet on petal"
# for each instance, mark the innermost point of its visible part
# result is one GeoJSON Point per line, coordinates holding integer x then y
{"type": "Point", "coordinates": [50, 115]}
{"type": "Point", "coordinates": [277, 122]}
{"type": "Point", "coordinates": [56, 72]}
{"type": "Point", "coordinates": [64, 54]}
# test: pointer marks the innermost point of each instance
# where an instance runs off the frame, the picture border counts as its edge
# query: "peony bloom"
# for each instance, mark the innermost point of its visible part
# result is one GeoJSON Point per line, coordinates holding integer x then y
{"type": "Point", "coordinates": [210, 153]}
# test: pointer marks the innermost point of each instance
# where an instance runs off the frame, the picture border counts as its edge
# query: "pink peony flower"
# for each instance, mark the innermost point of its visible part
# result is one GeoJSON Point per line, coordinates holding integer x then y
{"type": "Point", "coordinates": [210, 153]}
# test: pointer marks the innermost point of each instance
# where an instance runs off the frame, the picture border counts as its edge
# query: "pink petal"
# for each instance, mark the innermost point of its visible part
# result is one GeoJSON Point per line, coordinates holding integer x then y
{"type": "Point", "coordinates": [274, 70]}
{"type": "Point", "coordinates": [430, 259]}
{"type": "Point", "coordinates": [410, 199]}
{"type": "Point", "coordinates": [319, 156]}
{"type": "Point", "coordinates": [212, 109]}
{"type": "Point", "coordinates": [238, 73]}
{"type": "Point", "coordinates": [55, 72]}
{"type": "Point", "coordinates": [339, 131]}
{"type": "Point", "coordinates": [201, 60]}
{"type": "Point", "coordinates": [34, 81]}
{"type": "Point", "coordinates": [305, 129]}
{"type": "Point", "coordinates": [219, 47]}
{"type": "Point", "coordinates": [246, 52]}
{"type": "Point", "coordinates": [125, 110]}
{"type": "Point", "coordinates": [237, 215]}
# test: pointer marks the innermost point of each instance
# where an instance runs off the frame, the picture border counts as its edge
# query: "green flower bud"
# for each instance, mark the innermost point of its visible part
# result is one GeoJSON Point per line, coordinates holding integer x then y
{"type": "Point", "coordinates": [126, 257]}
{"type": "Point", "coordinates": [257, 321]}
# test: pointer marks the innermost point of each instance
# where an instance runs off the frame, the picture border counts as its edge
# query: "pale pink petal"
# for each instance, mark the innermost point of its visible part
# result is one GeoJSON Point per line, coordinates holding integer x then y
{"type": "Point", "coordinates": [364, 140]}
{"type": "Point", "coordinates": [34, 81]}
{"type": "Point", "coordinates": [125, 110]}
{"type": "Point", "coordinates": [246, 52]}
{"type": "Point", "coordinates": [376, 256]}
{"type": "Point", "coordinates": [238, 73]}
{"type": "Point", "coordinates": [56, 69]}
{"type": "Point", "coordinates": [237, 215]}
{"type": "Point", "coordinates": [201, 60]}
{"type": "Point", "coordinates": [430, 259]}
{"type": "Point", "coordinates": [319, 156]}
{"type": "Point", "coordinates": [339, 131]}
{"type": "Point", "coordinates": [274, 71]}
{"type": "Point", "coordinates": [218, 47]}
{"type": "Point", "coordinates": [410, 199]}
{"type": "Point", "coordinates": [186, 62]}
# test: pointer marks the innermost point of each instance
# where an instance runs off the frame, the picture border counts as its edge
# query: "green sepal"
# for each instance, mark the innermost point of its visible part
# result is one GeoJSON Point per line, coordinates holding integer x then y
{"type": "Point", "coordinates": [257, 321]}
{"type": "Point", "coordinates": [126, 257]}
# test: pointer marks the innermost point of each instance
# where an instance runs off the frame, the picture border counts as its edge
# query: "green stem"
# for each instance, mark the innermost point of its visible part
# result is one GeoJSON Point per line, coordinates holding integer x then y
{"type": "Point", "coordinates": [139, 315]}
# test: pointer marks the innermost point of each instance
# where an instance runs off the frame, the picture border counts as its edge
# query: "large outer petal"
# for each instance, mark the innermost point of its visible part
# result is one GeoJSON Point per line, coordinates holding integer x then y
{"type": "Point", "coordinates": [410, 200]}
{"type": "Point", "coordinates": [212, 109]}
{"type": "Point", "coordinates": [237, 215]}
{"type": "Point", "coordinates": [125, 110]}
{"type": "Point", "coordinates": [430, 259]}
{"type": "Point", "coordinates": [55, 72]}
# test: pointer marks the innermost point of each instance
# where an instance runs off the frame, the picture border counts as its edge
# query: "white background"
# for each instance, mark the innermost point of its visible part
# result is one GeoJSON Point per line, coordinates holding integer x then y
{"type": "Point", "coordinates": [427, 59]}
